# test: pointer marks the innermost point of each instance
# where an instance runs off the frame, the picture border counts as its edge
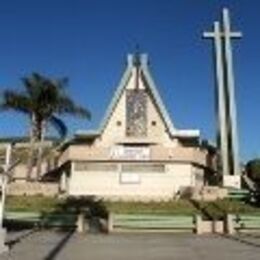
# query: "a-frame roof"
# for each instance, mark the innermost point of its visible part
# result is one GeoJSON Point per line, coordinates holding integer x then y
{"type": "Point", "coordinates": [147, 77]}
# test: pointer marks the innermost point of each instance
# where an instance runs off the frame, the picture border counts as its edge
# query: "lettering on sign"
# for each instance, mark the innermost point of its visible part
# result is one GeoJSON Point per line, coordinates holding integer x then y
{"type": "Point", "coordinates": [130, 153]}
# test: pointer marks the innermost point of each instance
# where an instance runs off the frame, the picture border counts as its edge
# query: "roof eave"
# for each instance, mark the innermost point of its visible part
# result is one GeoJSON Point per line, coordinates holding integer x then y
{"type": "Point", "coordinates": [189, 133]}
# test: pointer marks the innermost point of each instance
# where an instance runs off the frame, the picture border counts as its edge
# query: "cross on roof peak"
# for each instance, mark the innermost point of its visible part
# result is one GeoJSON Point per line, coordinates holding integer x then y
{"type": "Point", "coordinates": [137, 58]}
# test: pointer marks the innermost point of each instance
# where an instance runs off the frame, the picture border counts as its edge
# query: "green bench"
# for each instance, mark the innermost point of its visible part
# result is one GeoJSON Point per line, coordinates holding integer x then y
{"type": "Point", "coordinates": [243, 221]}
{"type": "Point", "coordinates": [151, 222]}
{"type": "Point", "coordinates": [39, 219]}
{"type": "Point", "coordinates": [238, 194]}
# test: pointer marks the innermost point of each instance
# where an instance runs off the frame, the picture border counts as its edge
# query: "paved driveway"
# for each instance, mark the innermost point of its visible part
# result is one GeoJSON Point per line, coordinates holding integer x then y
{"type": "Point", "coordinates": [47, 245]}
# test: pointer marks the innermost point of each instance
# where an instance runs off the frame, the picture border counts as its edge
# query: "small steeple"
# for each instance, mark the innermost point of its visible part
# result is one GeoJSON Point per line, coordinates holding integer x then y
{"type": "Point", "coordinates": [137, 60]}
{"type": "Point", "coordinates": [137, 64]}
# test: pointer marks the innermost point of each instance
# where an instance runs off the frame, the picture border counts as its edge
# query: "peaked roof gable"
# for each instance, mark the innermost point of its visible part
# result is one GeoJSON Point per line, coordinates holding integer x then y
{"type": "Point", "coordinates": [150, 84]}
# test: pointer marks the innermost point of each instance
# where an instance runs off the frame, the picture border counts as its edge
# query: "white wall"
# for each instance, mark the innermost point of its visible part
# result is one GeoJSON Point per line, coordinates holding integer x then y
{"type": "Point", "coordinates": [151, 186]}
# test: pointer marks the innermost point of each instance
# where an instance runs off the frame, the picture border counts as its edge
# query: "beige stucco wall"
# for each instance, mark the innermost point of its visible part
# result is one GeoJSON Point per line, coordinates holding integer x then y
{"type": "Point", "coordinates": [32, 188]}
{"type": "Point", "coordinates": [198, 177]}
{"type": "Point", "coordinates": [152, 185]}
{"type": "Point", "coordinates": [163, 148]}
{"type": "Point", "coordinates": [21, 170]}
{"type": "Point", "coordinates": [157, 153]}
{"type": "Point", "coordinates": [113, 133]}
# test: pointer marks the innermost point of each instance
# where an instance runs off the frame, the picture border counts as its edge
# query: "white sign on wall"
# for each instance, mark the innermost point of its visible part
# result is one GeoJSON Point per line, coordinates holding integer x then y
{"type": "Point", "coordinates": [130, 178]}
{"type": "Point", "coordinates": [130, 153]}
{"type": "Point", "coordinates": [233, 181]}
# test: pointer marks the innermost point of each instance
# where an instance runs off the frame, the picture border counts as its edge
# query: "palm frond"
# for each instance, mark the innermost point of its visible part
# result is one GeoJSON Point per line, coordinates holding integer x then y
{"type": "Point", "coordinates": [44, 98]}
{"type": "Point", "coordinates": [67, 106]}
{"type": "Point", "coordinates": [33, 84]}
{"type": "Point", "coordinates": [59, 125]}
{"type": "Point", "coordinates": [60, 84]}
{"type": "Point", "coordinates": [16, 101]}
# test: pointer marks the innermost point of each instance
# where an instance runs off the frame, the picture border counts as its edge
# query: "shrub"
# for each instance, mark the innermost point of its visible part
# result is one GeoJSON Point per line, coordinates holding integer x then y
{"type": "Point", "coordinates": [253, 169]}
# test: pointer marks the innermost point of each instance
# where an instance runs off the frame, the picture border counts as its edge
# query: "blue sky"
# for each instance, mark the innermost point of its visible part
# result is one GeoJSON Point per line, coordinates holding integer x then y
{"type": "Point", "coordinates": [87, 41]}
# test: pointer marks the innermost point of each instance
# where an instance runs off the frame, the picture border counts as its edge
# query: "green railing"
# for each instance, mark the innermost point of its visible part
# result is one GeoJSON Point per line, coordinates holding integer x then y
{"type": "Point", "coordinates": [39, 219]}
{"type": "Point", "coordinates": [238, 194]}
{"type": "Point", "coordinates": [152, 222]}
{"type": "Point", "coordinates": [243, 221]}
{"type": "Point", "coordinates": [26, 216]}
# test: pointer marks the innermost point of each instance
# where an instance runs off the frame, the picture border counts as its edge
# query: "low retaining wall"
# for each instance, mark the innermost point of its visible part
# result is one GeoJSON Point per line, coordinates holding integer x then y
{"type": "Point", "coordinates": [208, 226]}
{"type": "Point", "coordinates": [231, 225]}
{"type": "Point", "coordinates": [33, 188]}
{"type": "Point", "coordinates": [206, 193]}
{"type": "Point", "coordinates": [141, 223]}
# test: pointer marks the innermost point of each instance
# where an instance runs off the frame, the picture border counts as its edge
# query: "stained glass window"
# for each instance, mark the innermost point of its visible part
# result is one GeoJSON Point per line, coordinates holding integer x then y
{"type": "Point", "coordinates": [136, 113]}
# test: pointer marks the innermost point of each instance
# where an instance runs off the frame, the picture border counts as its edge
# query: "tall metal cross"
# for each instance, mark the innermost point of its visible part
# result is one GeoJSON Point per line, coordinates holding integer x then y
{"type": "Point", "coordinates": [227, 115]}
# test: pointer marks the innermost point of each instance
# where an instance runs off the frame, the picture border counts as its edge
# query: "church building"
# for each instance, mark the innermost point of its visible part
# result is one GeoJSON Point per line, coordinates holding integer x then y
{"type": "Point", "coordinates": [137, 153]}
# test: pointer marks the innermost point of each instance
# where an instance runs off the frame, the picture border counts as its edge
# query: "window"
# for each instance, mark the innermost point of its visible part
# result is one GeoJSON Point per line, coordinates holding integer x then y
{"type": "Point", "coordinates": [136, 113]}
{"type": "Point", "coordinates": [134, 167]}
{"type": "Point", "coordinates": [95, 167]}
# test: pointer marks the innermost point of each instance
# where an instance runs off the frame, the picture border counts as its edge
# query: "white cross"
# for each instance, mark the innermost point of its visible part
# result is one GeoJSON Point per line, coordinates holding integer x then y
{"type": "Point", "coordinates": [226, 90]}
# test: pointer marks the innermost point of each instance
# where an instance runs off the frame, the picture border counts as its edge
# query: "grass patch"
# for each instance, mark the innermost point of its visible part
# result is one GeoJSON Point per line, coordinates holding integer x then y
{"type": "Point", "coordinates": [32, 203]}
{"type": "Point", "coordinates": [47, 204]}
{"type": "Point", "coordinates": [219, 208]}
{"type": "Point", "coordinates": [180, 207]}
{"type": "Point", "coordinates": [209, 210]}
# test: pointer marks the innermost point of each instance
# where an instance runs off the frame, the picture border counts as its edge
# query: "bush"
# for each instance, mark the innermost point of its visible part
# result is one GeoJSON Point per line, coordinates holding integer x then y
{"type": "Point", "coordinates": [219, 208]}
{"type": "Point", "coordinates": [253, 170]}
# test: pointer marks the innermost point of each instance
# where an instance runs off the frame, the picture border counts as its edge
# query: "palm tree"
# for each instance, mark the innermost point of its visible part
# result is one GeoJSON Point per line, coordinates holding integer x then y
{"type": "Point", "coordinates": [42, 99]}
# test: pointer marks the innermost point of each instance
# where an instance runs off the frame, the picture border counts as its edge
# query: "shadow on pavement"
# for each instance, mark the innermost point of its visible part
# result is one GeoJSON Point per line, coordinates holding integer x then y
{"type": "Point", "coordinates": [251, 235]}
{"type": "Point", "coordinates": [56, 250]}
{"type": "Point", "coordinates": [11, 243]}
{"type": "Point", "coordinates": [243, 239]}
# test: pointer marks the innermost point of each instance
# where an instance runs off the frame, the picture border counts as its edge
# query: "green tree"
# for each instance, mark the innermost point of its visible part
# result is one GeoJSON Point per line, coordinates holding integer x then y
{"type": "Point", "coordinates": [43, 100]}
{"type": "Point", "coordinates": [253, 169]}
